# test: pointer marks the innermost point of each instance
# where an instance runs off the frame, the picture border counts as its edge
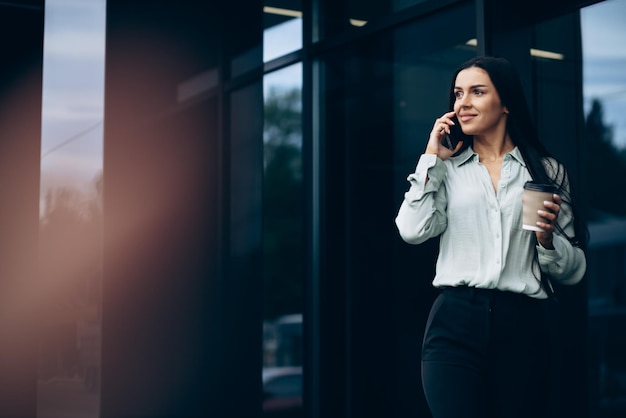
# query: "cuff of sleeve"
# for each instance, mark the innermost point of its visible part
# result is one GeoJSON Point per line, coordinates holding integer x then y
{"type": "Point", "coordinates": [550, 258]}
{"type": "Point", "coordinates": [431, 167]}
{"type": "Point", "coordinates": [546, 254]}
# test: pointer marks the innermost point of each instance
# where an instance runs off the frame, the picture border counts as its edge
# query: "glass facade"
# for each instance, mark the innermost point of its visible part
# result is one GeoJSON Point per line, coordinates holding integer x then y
{"type": "Point", "coordinates": [604, 87]}
{"type": "Point", "coordinates": [283, 240]}
{"type": "Point", "coordinates": [282, 23]}
{"type": "Point", "coordinates": [350, 15]}
{"type": "Point", "coordinates": [376, 95]}
{"type": "Point", "coordinates": [284, 280]}
{"type": "Point", "coordinates": [555, 81]}
{"type": "Point", "coordinates": [283, 214]}
{"type": "Point", "coordinates": [70, 246]}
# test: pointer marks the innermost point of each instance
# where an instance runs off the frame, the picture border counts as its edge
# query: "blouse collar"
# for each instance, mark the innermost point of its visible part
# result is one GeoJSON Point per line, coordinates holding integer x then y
{"type": "Point", "coordinates": [468, 154]}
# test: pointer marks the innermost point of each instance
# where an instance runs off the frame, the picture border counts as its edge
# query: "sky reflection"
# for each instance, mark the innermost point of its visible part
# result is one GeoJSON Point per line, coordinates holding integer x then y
{"type": "Point", "coordinates": [73, 92]}
{"type": "Point", "coordinates": [74, 79]}
{"type": "Point", "coordinates": [604, 62]}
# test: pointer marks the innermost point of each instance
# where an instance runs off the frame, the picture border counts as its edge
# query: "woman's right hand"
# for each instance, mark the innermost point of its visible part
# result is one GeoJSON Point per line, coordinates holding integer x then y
{"type": "Point", "coordinates": [437, 136]}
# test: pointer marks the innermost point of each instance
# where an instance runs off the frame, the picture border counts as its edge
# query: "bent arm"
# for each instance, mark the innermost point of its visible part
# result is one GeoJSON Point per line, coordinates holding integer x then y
{"type": "Point", "coordinates": [566, 263]}
{"type": "Point", "coordinates": [422, 214]}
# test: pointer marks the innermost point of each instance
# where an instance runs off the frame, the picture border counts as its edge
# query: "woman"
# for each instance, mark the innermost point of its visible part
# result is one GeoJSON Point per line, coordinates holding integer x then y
{"type": "Point", "coordinates": [486, 346]}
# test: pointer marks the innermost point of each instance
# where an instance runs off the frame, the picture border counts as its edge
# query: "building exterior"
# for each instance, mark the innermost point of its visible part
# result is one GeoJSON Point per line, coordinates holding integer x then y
{"type": "Point", "coordinates": [255, 155]}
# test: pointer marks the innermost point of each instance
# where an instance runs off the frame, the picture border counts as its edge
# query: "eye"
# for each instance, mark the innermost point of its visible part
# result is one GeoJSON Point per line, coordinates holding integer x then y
{"type": "Point", "coordinates": [478, 92]}
{"type": "Point", "coordinates": [458, 94]}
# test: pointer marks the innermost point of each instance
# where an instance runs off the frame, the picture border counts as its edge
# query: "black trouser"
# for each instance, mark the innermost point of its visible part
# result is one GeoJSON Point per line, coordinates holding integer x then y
{"type": "Point", "coordinates": [486, 355]}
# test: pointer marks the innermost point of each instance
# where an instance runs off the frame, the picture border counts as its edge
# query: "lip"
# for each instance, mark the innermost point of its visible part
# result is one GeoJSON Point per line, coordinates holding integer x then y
{"type": "Point", "coordinates": [466, 117]}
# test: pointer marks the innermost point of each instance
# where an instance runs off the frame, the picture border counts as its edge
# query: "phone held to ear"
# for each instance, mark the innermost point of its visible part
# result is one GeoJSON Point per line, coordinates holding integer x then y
{"type": "Point", "coordinates": [452, 139]}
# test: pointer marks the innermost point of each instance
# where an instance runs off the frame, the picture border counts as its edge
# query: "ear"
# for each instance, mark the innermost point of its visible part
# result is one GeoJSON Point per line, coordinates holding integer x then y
{"type": "Point", "coordinates": [506, 110]}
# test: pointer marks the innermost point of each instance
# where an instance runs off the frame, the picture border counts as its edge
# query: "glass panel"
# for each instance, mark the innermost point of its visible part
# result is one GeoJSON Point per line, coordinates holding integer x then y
{"type": "Point", "coordinates": [246, 49]}
{"type": "Point", "coordinates": [353, 14]}
{"type": "Point", "coordinates": [70, 209]}
{"type": "Point", "coordinates": [379, 99]}
{"type": "Point", "coordinates": [421, 80]}
{"type": "Point", "coordinates": [282, 24]}
{"type": "Point", "coordinates": [604, 69]}
{"type": "Point", "coordinates": [283, 242]}
{"type": "Point", "coordinates": [555, 67]}
{"type": "Point", "coordinates": [421, 83]}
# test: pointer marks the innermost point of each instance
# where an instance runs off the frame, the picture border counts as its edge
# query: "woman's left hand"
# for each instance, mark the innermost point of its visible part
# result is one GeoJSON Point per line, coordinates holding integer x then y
{"type": "Point", "coordinates": [548, 223]}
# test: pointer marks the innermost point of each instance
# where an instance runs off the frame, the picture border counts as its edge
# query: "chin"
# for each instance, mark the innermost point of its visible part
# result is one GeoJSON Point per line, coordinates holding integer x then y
{"type": "Point", "coordinates": [469, 132]}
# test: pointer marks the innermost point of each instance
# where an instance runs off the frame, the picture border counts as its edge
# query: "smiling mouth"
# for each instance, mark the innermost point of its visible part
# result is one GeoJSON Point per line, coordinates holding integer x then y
{"type": "Point", "coordinates": [466, 118]}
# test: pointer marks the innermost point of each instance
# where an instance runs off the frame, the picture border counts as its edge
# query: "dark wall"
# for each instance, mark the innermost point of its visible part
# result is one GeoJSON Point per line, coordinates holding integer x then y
{"type": "Point", "coordinates": [21, 48]}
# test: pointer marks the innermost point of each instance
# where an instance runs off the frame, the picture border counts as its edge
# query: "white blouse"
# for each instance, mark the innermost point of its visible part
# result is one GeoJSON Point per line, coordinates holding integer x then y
{"type": "Point", "coordinates": [482, 241]}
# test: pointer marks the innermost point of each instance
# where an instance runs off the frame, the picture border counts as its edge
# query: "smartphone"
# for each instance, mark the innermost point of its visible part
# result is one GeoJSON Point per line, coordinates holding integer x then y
{"type": "Point", "coordinates": [456, 134]}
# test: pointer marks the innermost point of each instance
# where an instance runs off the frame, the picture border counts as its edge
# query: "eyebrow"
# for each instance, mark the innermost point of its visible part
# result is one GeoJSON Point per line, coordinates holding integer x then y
{"type": "Point", "coordinates": [472, 87]}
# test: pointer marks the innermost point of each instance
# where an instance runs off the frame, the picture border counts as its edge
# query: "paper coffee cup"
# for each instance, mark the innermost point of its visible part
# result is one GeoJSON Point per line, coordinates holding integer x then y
{"type": "Point", "coordinates": [532, 200]}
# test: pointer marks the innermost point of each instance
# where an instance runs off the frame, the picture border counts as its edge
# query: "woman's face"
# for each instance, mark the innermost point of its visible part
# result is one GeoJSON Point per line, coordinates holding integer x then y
{"type": "Point", "coordinates": [477, 103]}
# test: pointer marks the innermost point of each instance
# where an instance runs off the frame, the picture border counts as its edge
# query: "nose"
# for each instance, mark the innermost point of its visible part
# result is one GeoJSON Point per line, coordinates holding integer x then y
{"type": "Point", "coordinates": [463, 101]}
{"type": "Point", "coordinates": [460, 103]}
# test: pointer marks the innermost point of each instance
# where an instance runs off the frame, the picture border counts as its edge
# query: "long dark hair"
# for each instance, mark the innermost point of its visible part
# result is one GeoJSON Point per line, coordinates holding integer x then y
{"type": "Point", "coordinates": [541, 164]}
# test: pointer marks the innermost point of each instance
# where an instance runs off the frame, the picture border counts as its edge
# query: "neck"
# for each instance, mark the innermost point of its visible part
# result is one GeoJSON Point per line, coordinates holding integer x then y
{"type": "Point", "coordinates": [492, 148]}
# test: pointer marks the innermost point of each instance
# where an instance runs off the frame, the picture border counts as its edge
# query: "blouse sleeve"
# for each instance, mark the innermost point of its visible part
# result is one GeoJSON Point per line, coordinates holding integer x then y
{"type": "Point", "coordinates": [422, 214]}
{"type": "Point", "coordinates": [566, 263]}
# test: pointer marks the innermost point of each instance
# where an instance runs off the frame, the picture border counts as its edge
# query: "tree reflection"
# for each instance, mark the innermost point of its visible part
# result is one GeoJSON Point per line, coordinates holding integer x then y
{"type": "Point", "coordinates": [283, 253]}
{"type": "Point", "coordinates": [282, 203]}
{"type": "Point", "coordinates": [606, 165]}
{"type": "Point", "coordinates": [70, 254]}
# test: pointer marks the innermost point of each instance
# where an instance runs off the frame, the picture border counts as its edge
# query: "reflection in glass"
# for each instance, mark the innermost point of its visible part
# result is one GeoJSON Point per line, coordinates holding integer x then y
{"type": "Point", "coordinates": [378, 99]}
{"type": "Point", "coordinates": [604, 70]}
{"type": "Point", "coordinates": [71, 208]}
{"type": "Point", "coordinates": [605, 98]}
{"type": "Point", "coordinates": [421, 82]}
{"type": "Point", "coordinates": [282, 28]}
{"type": "Point", "coordinates": [357, 13]}
{"type": "Point", "coordinates": [283, 242]}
